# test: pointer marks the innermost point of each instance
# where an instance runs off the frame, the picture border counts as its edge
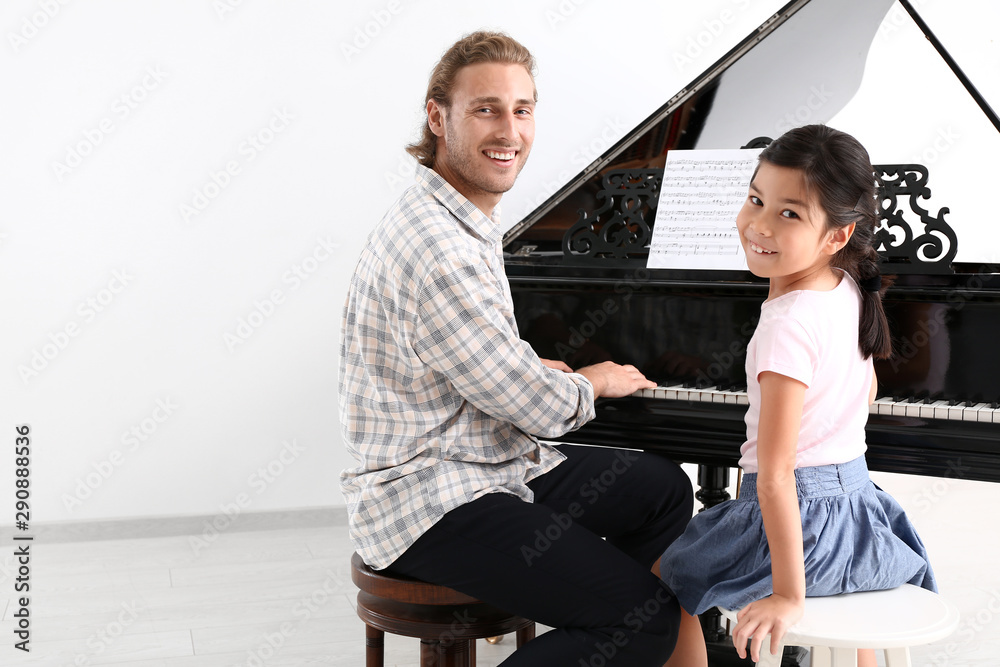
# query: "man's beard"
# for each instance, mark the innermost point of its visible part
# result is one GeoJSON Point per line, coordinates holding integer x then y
{"type": "Point", "coordinates": [461, 161]}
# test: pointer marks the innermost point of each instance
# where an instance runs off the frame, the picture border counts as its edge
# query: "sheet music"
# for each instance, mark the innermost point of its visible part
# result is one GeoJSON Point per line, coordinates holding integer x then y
{"type": "Point", "coordinates": [701, 194]}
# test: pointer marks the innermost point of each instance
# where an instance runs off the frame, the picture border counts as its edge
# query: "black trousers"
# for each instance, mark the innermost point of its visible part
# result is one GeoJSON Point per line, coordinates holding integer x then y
{"type": "Point", "coordinates": [546, 560]}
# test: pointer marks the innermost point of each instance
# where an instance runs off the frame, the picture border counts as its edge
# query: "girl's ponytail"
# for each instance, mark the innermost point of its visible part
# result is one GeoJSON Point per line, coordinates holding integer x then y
{"type": "Point", "coordinates": [860, 260]}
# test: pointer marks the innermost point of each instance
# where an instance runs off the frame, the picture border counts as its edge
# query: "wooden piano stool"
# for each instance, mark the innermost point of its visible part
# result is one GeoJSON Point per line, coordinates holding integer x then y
{"type": "Point", "coordinates": [893, 620]}
{"type": "Point", "coordinates": [446, 622]}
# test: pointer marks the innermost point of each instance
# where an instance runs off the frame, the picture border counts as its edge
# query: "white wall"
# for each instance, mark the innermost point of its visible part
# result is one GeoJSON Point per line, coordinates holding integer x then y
{"type": "Point", "coordinates": [171, 292]}
{"type": "Point", "coordinates": [186, 186]}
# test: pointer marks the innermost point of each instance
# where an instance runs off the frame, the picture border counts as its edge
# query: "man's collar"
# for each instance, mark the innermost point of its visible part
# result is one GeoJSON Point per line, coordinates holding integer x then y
{"type": "Point", "coordinates": [463, 209]}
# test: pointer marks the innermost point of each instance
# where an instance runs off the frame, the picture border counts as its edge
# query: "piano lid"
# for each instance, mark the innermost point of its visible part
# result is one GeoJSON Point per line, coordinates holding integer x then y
{"type": "Point", "coordinates": [862, 66]}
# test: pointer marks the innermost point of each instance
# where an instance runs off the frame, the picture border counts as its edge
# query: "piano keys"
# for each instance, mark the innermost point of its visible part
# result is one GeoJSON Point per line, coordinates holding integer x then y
{"type": "Point", "coordinates": [907, 407]}
{"type": "Point", "coordinates": [988, 413]}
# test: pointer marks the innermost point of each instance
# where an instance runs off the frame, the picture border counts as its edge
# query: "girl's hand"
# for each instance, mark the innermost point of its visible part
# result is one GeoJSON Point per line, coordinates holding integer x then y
{"type": "Point", "coordinates": [774, 615]}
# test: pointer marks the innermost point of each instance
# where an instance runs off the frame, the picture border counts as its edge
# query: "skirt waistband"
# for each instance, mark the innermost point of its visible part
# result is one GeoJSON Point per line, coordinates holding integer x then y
{"type": "Point", "coordinates": [818, 481]}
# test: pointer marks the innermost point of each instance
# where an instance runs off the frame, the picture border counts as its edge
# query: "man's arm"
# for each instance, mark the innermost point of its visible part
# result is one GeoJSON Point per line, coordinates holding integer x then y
{"type": "Point", "coordinates": [462, 333]}
{"type": "Point", "coordinates": [556, 365]}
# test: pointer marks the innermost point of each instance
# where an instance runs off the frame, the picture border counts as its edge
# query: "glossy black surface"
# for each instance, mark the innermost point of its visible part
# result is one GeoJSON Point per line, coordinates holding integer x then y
{"type": "Point", "coordinates": [678, 329]}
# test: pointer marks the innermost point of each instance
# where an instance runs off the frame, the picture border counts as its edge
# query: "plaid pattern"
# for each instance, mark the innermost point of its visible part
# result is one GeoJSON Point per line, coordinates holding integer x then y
{"type": "Point", "coordinates": [440, 399]}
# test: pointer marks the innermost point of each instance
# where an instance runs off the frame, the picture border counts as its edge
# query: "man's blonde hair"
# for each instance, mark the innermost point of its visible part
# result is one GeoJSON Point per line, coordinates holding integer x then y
{"type": "Point", "coordinates": [479, 47]}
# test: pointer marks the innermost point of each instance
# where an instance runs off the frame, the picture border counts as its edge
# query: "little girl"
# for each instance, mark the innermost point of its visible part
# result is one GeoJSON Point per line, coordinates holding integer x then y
{"type": "Point", "coordinates": [808, 521]}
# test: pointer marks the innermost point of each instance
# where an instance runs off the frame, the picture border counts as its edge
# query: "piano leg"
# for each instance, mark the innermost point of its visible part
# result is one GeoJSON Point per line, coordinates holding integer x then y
{"type": "Point", "coordinates": [713, 482]}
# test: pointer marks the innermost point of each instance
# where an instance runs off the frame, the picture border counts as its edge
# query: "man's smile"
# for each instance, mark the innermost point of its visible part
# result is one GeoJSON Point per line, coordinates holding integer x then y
{"type": "Point", "coordinates": [503, 157]}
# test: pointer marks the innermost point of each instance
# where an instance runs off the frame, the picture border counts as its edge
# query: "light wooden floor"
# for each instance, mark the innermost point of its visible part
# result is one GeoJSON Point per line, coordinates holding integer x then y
{"type": "Point", "coordinates": [277, 598]}
{"type": "Point", "coordinates": [285, 598]}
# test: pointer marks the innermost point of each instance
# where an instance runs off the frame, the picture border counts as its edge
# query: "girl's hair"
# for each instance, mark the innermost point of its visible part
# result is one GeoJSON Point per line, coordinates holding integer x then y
{"type": "Point", "coordinates": [837, 168]}
{"type": "Point", "coordinates": [478, 47]}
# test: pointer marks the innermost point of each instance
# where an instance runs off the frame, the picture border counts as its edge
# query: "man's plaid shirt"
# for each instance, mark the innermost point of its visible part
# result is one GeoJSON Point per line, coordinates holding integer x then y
{"type": "Point", "coordinates": [440, 399]}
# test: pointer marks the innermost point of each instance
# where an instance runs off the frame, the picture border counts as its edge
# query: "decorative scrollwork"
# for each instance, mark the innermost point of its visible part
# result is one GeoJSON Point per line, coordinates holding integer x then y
{"type": "Point", "coordinates": [930, 252]}
{"type": "Point", "coordinates": [623, 224]}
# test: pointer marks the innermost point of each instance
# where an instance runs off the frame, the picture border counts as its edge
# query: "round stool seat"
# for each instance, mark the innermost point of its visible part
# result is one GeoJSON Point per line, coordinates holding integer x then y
{"type": "Point", "coordinates": [403, 589]}
{"type": "Point", "coordinates": [904, 616]}
{"type": "Point", "coordinates": [445, 620]}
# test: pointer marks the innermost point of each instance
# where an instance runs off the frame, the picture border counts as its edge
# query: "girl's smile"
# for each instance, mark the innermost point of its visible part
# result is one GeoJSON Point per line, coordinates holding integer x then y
{"type": "Point", "coordinates": [784, 232]}
{"type": "Point", "coordinates": [759, 250]}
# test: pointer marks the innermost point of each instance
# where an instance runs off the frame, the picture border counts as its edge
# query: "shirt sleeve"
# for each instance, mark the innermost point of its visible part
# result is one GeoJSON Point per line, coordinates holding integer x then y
{"type": "Point", "coordinates": [787, 348]}
{"type": "Point", "coordinates": [463, 333]}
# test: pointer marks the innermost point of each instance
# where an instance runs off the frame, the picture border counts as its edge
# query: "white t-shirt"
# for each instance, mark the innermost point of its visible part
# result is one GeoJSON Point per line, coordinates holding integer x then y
{"type": "Point", "coordinates": [812, 337]}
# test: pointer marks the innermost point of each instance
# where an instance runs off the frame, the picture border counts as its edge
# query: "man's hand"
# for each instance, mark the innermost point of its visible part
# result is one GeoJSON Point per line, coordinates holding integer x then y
{"type": "Point", "coordinates": [774, 615]}
{"type": "Point", "coordinates": [556, 365]}
{"type": "Point", "coordinates": [614, 381]}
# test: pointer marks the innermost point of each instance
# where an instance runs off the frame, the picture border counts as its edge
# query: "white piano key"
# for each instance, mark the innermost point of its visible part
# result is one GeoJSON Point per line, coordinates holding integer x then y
{"type": "Point", "coordinates": [700, 395]}
{"type": "Point", "coordinates": [956, 411]}
{"type": "Point", "coordinates": [743, 399]}
{"type": "Point", "coordinates": [899, 409]}
{"type": "Point", "coordinates": [882, 406]}
{"type": "Point", "coordinates": [732, 398]}
{"type": "Point", "coordinates": [913, 409]}
{"type": "Point", "coordinates": [719, 397]}
{"type": "Point", "coordinates": [987, 414]}
{"type": "Point", "coordinates": [660, 392]}
{"type": "Point", "coordinates": [971, 413]}
{"type": "Point", "coordinates": [927, 410]}
{"type": "Point", "coordinates": [941, 410]}
{"type": "Point", "coordinates": [705, 394]}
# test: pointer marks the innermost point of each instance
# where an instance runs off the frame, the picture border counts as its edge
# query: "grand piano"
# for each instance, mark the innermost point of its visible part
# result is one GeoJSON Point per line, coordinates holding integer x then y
{"type": "Point", "coordinates": [582, 292]}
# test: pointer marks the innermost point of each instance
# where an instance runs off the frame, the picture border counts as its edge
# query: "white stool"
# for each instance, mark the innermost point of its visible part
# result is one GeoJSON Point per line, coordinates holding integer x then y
{"type": "Point", "coordinates": [834, 628]}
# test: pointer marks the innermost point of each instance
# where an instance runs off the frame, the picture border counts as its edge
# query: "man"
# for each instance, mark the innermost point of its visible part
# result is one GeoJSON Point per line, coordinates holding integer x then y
{"type": "Point", "coordinates": [441, 403]}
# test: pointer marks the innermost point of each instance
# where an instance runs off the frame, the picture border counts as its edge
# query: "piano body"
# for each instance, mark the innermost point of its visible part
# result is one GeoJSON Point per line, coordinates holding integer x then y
{"type": "Point", "coordinates": [582, 292]}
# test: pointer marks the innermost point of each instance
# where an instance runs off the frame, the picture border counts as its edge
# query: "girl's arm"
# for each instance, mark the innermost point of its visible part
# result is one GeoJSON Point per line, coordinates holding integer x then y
{"type": "Point", "coordinates": [777, 439]}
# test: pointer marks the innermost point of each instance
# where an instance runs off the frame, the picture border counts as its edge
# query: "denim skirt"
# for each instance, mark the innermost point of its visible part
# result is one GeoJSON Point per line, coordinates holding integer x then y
{"type": "Point", "coordinates": [855, 537]}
